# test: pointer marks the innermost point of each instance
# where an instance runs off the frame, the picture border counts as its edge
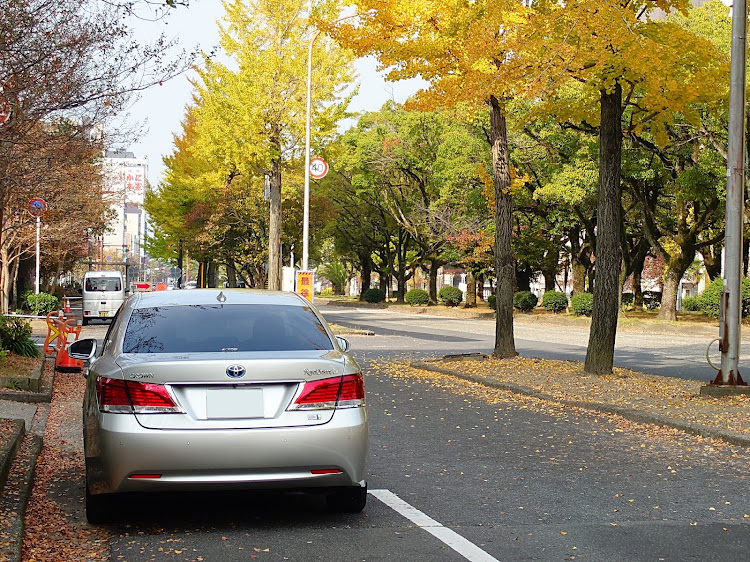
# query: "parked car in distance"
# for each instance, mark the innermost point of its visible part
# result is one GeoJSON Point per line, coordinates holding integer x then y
{"type": "Point", "coordinates": [191, 285]}
{"type": "Point", "coordinates": [220, 389]}
{"type": "Point", "coordinates": [102, 294]}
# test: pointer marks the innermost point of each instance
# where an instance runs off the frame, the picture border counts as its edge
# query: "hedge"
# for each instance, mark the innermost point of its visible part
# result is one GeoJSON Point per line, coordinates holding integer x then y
{"type": "Point", "coordinates": [582, 304]}
{"type": "Point", "coordinates": [555, 301]}
{"type": "Point", "coordinates": [525, 301]}
{"type": "Point", "coordinates": [450, 296]}
{"type": "Point", "coordinates": [710, 298]}
{"type": "Point", "coordinates": [417, 297]}
{"type": "Point", "coordinates": [374, 295]}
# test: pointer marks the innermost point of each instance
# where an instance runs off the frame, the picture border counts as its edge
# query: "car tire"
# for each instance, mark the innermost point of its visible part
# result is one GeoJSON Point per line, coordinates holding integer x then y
{"type": "Point", "coordinates": [99, 508]}
{"type": "Point", "coordinates": [348, 500]}
{"type": "Point", "coordinates": [84, 321]}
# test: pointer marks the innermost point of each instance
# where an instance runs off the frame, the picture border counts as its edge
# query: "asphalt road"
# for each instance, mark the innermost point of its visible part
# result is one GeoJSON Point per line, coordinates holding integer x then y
{"type": "Point", "coordinates": [460, 473]}
{"type": "Point", "coordinates": [682, 355]}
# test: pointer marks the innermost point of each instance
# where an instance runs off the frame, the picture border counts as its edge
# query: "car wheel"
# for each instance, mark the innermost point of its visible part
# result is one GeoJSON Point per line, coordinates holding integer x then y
{"type": "Point", "coordinates": [348, 500]}
{"type": "Point", "coordinates": [84, 321]}
{"type": "Point", "coordinates": [99, 509]}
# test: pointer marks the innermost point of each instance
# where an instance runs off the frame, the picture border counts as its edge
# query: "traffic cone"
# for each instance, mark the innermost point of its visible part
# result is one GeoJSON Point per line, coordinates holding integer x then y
{"type": "Point", "coordinates": [64, 362]}
{"type": "Point", "coordinates": [66, 300]}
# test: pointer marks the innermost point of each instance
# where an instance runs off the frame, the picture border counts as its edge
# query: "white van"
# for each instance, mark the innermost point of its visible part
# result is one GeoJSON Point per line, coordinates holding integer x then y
{"type": "Point", "coordinates": [103, 293]}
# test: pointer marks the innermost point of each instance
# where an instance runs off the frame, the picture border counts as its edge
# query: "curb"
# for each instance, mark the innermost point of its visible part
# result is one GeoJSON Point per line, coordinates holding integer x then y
{"type": "Point", "coordinates": [8, 453]}
{"type": "Point", "coordinates": [730, 437]}
{"type": "Point", "coordinates": [45, 390]}
{"type": "Point", "coordinates": [15, 497]}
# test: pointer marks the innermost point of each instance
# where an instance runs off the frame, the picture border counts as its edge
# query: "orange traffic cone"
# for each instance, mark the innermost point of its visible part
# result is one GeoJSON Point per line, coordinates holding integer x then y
{"type": "Point", "coordinates": [66, 300]}
{"type": "Point", "coordinates": [64, 362]}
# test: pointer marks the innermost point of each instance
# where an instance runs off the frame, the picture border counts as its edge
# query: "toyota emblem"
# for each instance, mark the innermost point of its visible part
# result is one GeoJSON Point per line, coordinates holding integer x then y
{"type": "Point", "coordinates": [235, 371]}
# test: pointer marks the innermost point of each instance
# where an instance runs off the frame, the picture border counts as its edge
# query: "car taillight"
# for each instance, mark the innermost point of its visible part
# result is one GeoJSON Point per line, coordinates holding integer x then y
{"type": "Point", "coordinates": [326, 394]}
{"type": "Point", "coordinates": [126, 397]}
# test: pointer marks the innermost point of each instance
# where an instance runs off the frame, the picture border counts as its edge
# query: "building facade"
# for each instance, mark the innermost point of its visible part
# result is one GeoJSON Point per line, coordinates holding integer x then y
{"type": "Point", "coordinates": [125, 188]}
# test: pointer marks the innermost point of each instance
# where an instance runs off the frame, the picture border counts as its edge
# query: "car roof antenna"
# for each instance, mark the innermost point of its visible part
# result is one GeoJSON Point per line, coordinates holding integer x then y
{"type": "Point", "coordinates": [221, 297]}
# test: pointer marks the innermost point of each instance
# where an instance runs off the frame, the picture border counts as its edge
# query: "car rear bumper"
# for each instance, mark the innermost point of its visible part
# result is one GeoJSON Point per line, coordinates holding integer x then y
{"type": "Point", "coordinates": [209, 459]}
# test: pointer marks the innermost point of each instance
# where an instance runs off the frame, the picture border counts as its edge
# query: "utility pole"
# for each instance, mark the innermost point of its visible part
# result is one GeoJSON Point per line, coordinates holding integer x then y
{"type": "Point", "coordinates": [731, 301]}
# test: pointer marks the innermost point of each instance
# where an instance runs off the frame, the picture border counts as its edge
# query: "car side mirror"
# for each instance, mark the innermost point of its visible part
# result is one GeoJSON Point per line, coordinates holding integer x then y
{"type": "Point", "coordinates": [83, 349]}
{"type": "Point", "coordinates": [343, 343]}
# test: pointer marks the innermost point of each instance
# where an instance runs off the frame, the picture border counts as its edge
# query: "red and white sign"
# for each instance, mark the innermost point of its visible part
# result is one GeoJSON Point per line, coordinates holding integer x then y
{"type": "Point", "coordinates": [318, 168]}
{"type": "Point", "coordinates": [37, 207]}
{"type": "Point", "coordinates": [4, 112]}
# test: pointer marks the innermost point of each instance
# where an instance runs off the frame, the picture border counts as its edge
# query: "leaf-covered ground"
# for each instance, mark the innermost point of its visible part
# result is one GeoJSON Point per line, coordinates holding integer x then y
{"type": "Point", "coordinates": [56, 527]}
{"type": "Point", "coordinates": [565, 380]}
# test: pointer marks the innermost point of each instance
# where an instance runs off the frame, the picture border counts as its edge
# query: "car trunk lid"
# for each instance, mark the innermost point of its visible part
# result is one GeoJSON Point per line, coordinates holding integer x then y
{"type": "Point", "coordinates": [234, 390]}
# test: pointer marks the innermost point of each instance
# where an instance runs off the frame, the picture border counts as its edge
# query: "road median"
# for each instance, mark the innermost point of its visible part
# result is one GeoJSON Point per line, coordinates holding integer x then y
{"type": "Point", "coordinates": [639, 397]}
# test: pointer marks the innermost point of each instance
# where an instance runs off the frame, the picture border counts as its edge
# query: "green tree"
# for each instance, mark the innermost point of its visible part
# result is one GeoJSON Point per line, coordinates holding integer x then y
{"type": "Point", "coordinates": [463, 49]}
{"type": "Point", "coordinates": [625, 65]}
{"type": "Point", "coordinates": [252, 112]}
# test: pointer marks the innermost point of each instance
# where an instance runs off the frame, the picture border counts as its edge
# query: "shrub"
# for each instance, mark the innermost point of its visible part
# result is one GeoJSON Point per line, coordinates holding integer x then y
{"type": "Point", "coordinates": [15, 336]}
{"type": "Point", "coordinates": [710, 299]}
{"type": "Point", "coordinates": [374, 295]}
{"type": "Point", "coordinates": [416, 297]}
{"type": "Point", "coordinates": [43, 303]}
{"type": "Point", "coordinates": [628, 299]}
{"type": "Point", "coordinates": [328, 292]}
{"type": "Point", "coordinates": [525, 301]}
{"type": "Point", "coordinates": [582, 304]}
{"type": "Point", "coordinates": [555, 301]}
{"type": "Point", "coordinates": [691, 304]}
{"type": "Point", "coordinates": [450, 296]}
{"type": "Point", "coordinates": [492, 301]}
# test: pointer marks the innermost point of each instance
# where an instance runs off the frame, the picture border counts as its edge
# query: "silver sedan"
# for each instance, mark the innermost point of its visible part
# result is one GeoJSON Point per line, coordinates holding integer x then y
{"type": "Point", "coordinates": [214, 389]}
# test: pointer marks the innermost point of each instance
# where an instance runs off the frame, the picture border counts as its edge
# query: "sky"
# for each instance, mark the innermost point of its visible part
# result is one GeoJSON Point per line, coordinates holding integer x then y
{"type": "Point", "coordinates": [162, 108]}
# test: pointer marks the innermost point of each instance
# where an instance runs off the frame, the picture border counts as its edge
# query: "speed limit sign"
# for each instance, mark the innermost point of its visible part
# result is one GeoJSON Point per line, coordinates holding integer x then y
{"type": "Point", "coordinates": [318, 168]}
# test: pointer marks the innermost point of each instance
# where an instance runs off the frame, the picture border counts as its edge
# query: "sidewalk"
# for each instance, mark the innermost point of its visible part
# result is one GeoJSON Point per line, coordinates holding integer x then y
{"type": "Point", "coordinates": [23, 420]}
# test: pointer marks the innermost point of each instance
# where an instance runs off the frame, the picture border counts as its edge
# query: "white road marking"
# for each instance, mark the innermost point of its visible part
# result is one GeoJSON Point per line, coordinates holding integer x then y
{"type": "Point", "coordinates": [465, 548]}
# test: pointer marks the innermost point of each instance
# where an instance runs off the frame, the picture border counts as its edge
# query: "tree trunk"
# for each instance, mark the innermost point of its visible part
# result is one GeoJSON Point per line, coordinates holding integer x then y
{"type": "Point", "coordinates": [505, 270]}
{"type": "Point", "coordinates": [601, 347]}
{"type": "Point", "coordinates": [14, 284]}
{"type": "Point", "coordinates": [231, 276]}
{"type": "Point", "coordinates": [523, 278]}
{"type": "Point", "coordinates": [480, 288]}
{"type": "Point", "coordinates": [549, 281]}
{"type": "Point", "coordinates": [366, 278]}
{"type": "Point", "coordinates": [433, 282]}
{"type": "Point", "coordinates": [401, 283]}
{"type": "Point", "coordinates": [471, 290]}
{"type": "Point", "coordinates": [712, 260]}
{"type": "Point", "coordinates": [579, 278]}
{"type": "Point", "coordinates": [5, 277]}
{"type": "Point", "coordinates": [670, 286]}
{"type": "Point", "coordinates": [274, 226]}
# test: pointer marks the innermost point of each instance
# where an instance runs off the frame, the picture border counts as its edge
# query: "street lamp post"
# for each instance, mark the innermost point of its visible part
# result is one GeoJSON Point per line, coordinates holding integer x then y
{"type": "Point", "coordinates": [37, 207]}
{"type": "Point", "coordinates": [731, 300]}
{"type": "Point", "coordinates": [306, 199]}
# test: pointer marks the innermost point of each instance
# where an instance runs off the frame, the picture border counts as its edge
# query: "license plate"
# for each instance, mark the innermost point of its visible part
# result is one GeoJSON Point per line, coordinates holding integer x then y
{"type": "Point", "coordinates": [103, 314]}
{"type": "Point", "coordinates": [229, 403]}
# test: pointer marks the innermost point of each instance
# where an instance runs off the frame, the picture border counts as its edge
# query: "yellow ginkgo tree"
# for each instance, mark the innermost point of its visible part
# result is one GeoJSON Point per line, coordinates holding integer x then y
{"type": "Point", "coordinates": [251, 119]}
{"type": "Point", "coordinates": [465, 51]}
{"type": "Point", "coordinates": [633, 71]}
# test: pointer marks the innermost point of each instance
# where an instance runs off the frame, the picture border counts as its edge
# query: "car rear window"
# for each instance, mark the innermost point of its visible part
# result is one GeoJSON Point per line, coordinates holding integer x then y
{"type": "Point", "coordinates": [216, 328]}
{"type": "Point", "coordinates": [103, 284]}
